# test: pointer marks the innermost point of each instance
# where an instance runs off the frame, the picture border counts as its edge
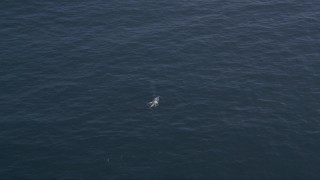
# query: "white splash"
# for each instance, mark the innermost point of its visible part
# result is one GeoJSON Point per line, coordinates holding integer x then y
{"type": "Point", "coordinates": [154, 102]}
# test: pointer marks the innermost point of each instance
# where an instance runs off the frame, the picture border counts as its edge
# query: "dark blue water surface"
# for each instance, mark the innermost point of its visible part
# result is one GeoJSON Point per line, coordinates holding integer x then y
{"type": "Point", "coordinates": [239, 83]}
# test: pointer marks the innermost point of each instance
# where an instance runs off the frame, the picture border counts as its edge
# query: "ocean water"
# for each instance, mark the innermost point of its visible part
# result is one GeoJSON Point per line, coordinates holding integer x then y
{"type": "Point", "coordinates": [239, 83]}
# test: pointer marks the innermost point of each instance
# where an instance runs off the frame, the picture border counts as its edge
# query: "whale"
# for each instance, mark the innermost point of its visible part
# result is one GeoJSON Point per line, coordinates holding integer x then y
{"type": "Point", "coordinates": [154, 103]}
